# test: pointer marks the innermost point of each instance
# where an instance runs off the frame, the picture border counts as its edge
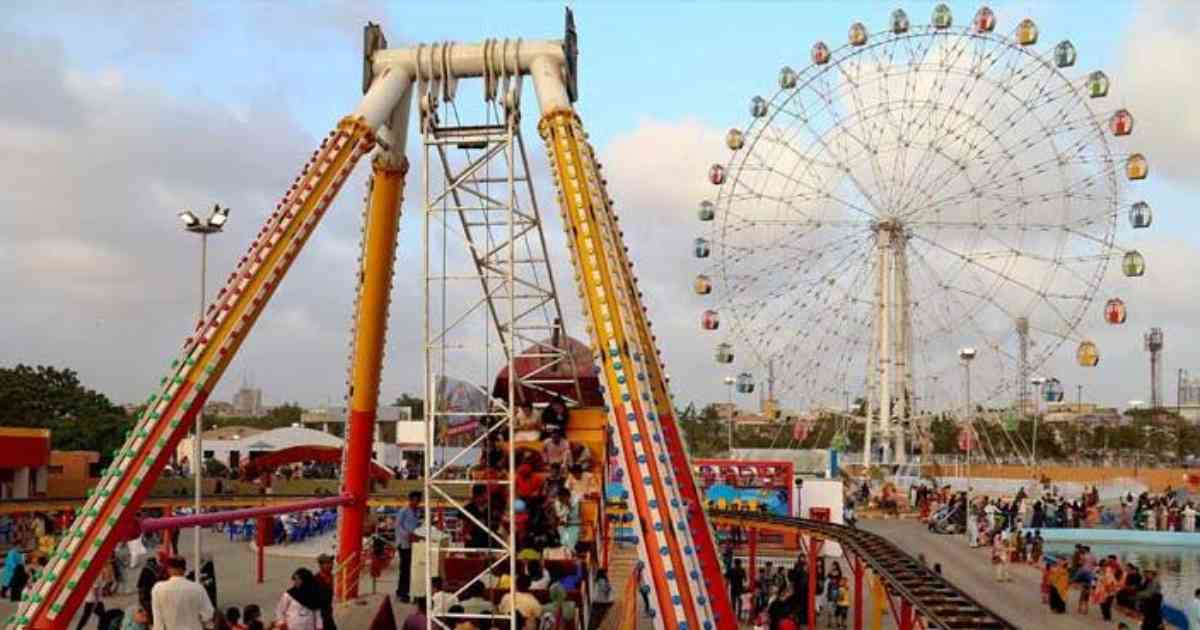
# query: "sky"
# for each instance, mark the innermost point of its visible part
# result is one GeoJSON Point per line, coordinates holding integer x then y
{"type": "Point", "coordinates": [115, 118]}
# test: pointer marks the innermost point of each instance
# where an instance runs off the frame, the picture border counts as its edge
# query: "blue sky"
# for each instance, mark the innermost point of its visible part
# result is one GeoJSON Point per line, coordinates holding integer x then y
{"type": "Point", "coordinates": [638, 59]}
{"type": "Point", "coordinates": [259, 81]}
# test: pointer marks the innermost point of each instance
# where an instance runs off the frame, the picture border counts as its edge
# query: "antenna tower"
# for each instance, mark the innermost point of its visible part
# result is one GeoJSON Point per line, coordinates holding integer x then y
{"type": "Point", "coordinates": [1154, 345]}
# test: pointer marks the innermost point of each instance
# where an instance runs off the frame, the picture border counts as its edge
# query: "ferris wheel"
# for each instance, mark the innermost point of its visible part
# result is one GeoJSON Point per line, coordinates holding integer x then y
{"type": "Point", "coordinates": [910, 192]}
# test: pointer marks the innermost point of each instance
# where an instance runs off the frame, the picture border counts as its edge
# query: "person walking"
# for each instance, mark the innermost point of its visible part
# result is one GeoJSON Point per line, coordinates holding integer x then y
{"type": "Point", "coordinates": [408, 520]}
{"type": "Point", "coordinates": [146, 581]}
{"type": "Point", "coordinates": [736, 578]}
{"type": "Point", "coordinates": [1000, 557]}
{"type": "Point", "coordinates": [17, 582]}
{"type": "Point", "coordinates": [299, 607]}
{"type": "Point", "coordinates": [178, 603]}
{"type": "Point", "coordinates": [93, 604]}
{"type": "Point", "coordinates": [324, 578]}
{"type": "Point", "coordinates": [12, 560]}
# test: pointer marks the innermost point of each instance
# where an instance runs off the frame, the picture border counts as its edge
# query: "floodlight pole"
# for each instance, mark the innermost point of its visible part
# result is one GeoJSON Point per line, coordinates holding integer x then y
{"type": "Point", "coordinates": [213, 224]}
{"type": "Point", "coordinates": [729, 382]}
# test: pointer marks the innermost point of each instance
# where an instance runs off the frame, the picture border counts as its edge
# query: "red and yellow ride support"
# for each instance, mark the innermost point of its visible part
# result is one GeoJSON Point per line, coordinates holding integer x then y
{"type": "Point", "coordinates": [109, 514]}
{"type": "Point", "coordinates": [683, 598]}
{"type": "Point", "coordinates": [381, 222]}
{"type": "Point", "coordinates": [676, 449]}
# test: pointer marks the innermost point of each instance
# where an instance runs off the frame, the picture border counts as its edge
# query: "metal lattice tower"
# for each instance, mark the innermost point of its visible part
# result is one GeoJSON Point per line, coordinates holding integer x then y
{"type": "Point", "coordinates": [1154, 345]}
{"type": "Point", "coordinates": [488, 284]}
{"type": "Point", "coordinates": [1022, 366]}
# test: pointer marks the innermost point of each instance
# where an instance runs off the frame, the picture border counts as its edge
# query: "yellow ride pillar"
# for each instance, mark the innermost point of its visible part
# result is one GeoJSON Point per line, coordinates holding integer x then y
{"type": "Point", "coordinates": [380, 224]}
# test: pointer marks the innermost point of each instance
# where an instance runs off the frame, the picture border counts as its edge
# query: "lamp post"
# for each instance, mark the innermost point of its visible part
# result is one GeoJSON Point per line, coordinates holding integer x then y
{"type": "Point", "coordinates": [1038, 382]}
{"type": "Point", "coordinates": [966, 355]}
{"type": "Point", "coordinates": [212, 225]}
{"type": "Point", "coordinates": [729, 383]}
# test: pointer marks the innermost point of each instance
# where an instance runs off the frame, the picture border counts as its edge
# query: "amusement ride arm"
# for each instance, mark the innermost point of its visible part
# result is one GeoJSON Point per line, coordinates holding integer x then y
{"type": "Point", "coordinates": [110, 513]}
{"type": "Point", "coordinates": [676, 447]}
{"type": "Point", "coordinates": [683, 586]}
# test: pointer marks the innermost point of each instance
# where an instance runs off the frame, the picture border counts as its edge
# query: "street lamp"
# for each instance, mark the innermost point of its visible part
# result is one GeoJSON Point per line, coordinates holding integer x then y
{"type": "Point", "coordinates": [729, 383]}
{"type": "Point", "coordinates": [1039, 383]}
{"type": "Point", "coordinates": [966, 355]}
{"type": "Point", "coordinates": [191, 223]}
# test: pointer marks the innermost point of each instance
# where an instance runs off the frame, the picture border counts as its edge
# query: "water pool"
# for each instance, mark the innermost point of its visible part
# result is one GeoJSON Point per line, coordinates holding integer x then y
{"type": "Point", "coordinates": [1178, 567]}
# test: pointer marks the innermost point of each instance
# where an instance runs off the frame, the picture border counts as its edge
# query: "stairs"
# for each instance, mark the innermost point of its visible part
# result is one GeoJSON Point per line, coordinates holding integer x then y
{"type": "Point", "coordinates": [622, 561]}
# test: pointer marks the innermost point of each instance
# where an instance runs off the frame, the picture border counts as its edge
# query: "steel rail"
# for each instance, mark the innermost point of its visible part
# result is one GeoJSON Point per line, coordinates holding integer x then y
{"type": "Point", "coordinates": [940, 603]}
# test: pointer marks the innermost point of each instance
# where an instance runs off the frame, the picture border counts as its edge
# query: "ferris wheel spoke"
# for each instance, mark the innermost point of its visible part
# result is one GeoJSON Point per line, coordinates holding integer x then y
{"type": "Point", "coordinates": [1011, 281]}
{"type": "Point", "coordinates": [934, 102]}
{"type": "Point", "coordinates": [1013, 202]}
{"type": "Point", "coordinates": [953, 318]}
{"type": "Point", "coordinates": [777, 138]}
{"type": "Point", "coordinates": [1015, 116]}
{"type": "Point", "coordinates": [807, 290]}
{"type": "Point", "coordinates": [870, 144]}
{"type": "Point", "coordinates": [842, 160]}
{"type": "Point", "coordinates": [831, 330]}
{"type": "Point", "coordinates": [942, 73]}
{"type": "Point", "coordinates": [772, 270]}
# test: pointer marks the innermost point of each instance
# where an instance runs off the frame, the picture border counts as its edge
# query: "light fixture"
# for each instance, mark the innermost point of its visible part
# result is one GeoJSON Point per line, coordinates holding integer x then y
{"type": "Point", "coordinates": [218, 217]}
{"type": "Point", "coordinates": [966, 354]}
{"type": "Point", "coordinates": [189, 220]}
{"type": "Point", "coordinates": [729, 380]}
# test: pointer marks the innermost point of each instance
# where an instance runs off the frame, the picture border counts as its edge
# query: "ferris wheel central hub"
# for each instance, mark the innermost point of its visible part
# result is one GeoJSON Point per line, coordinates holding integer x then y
{"type": "Point", "coordinates": [890, 225]}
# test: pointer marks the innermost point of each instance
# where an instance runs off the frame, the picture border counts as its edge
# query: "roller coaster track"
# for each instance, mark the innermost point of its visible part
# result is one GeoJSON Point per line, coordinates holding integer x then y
{"type": "Point", "coordinates": [937, 602]}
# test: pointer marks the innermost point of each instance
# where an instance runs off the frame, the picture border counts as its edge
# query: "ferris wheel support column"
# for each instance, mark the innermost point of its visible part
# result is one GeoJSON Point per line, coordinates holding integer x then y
{"type": "Point", "coordinates": [885, 349]}
{"type": "Point", "coordinates": [900, 358]}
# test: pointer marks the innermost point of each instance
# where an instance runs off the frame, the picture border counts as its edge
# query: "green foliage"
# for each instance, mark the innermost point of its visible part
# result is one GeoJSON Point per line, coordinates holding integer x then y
{"type": "Point", "coordinates": [215, 468]}
{"type": "Point", "coordinates": [47, 397]}
{"type": "Point", "coordinates": [705, 432]}
{"type": "Point", "coordinates": [282, 416]}
{"type": "Point", "coordinates": [417, 405]}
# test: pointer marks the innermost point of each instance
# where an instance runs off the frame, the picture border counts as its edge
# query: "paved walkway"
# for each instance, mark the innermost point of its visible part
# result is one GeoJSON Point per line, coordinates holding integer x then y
{"type": "Point", "coordinates": [1019, 601]}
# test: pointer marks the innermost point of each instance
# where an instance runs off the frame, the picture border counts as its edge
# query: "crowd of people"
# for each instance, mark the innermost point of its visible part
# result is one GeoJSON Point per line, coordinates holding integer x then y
{"type": "Point", "coordinates": [1011, 530]}
{"type": "Point", "coordinates": [553, 476]}
{"type": "Point", "coordinates": [778, 597]}
{"type": "Point", "coordinates": [1171, 511]}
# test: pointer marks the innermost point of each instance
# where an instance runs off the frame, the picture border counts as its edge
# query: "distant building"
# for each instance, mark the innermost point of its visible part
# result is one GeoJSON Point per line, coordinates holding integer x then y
{"type": "Point", "coordinates": [72, 473]}
{"type": "Point", "coordinates": [234, 448]}
{"type": "Point", "coordinates": [1189, 391]}
{"type": "Point", "coordinates": [393, 423]}
{"type": "Point", "coordinates": [1087, 413]}
{"type": "Point", "coordinates": [219, 409]}
{"type": "Point", "coordinates": [248, 402]}
{"type": "Point", "coordinates": [24, 466]}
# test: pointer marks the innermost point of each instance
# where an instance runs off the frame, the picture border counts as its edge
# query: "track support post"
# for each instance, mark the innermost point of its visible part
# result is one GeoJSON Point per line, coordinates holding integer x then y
{"type": "Point", "coordinates": [812, 549]}
{"type": "Point", "coordinates": [856, 565]}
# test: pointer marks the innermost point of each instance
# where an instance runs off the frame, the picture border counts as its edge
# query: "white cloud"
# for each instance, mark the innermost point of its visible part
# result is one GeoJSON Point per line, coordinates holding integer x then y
{"type": "Point", "coordinates": [1157, 81]}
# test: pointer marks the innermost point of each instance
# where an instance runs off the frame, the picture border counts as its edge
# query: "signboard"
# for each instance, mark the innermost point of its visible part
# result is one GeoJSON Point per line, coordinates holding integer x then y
{"type": "Point", "coordinates": [747, 485]}
{"type": "Point", "coordinates": [465, 401]}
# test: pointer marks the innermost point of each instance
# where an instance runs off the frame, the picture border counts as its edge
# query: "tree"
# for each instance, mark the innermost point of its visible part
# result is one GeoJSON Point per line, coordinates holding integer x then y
{"type": "Point", "coordinates": [416, 404]}
{"type": "Point", "coordinates": [704, 431]}
{"type": "Point", "coordinates": [284, 415]}
{"type": "Point", "coordinates": [52, 398]}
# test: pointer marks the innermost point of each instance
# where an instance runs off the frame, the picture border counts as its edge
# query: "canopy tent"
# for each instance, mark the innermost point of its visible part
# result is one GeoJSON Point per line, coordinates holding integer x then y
{"type": "Point", "coordinates": [324, 454]}
{"type": "Point", "coordinates": [546, 373]}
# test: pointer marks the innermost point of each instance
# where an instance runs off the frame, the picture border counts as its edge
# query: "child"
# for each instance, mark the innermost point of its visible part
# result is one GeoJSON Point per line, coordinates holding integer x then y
{"type": "Point", "coordinates": [843, 603]}
{"type": "Point", "coordinates": [234, 617]}
{"type": "Point", "coordinates": [603, 589]}
{"type": "Point", "coordinates": [252, 617]}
